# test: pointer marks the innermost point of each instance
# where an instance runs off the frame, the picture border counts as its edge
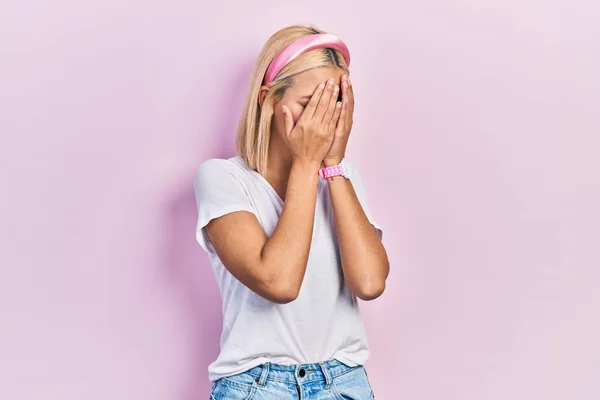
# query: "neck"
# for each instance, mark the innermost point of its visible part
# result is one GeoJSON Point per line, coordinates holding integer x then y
{"type": "Point", "coordinates": [280, 158]}
{"type": "Point", "coordinates": [280, 165]}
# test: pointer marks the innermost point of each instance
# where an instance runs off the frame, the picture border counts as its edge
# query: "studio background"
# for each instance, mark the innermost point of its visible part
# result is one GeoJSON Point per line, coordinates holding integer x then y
{"type": "Point", "coordinates": [476, 131]}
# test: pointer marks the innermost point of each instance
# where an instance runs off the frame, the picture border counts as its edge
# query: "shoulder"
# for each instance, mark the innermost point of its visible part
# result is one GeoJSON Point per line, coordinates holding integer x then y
{"type": "Point", "coordinates": [213, 172]}
{"type": "Point", "coordinates": [234, 166]}
{"type": "Point", "coordinates": [213, 166]}
{"type": "Point", "coordinates": [218, 174]}
{"type": "Point", "coordinates": [215, 169]}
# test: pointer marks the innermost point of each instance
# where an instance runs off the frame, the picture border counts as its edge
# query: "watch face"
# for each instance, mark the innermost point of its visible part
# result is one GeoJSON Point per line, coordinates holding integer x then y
{"type": "Point", "coordinates": [347, 171]}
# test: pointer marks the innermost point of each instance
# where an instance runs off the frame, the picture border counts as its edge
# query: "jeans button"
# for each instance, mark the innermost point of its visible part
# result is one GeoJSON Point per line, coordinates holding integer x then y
{"type": "Point", "coordinates": [301, 372]}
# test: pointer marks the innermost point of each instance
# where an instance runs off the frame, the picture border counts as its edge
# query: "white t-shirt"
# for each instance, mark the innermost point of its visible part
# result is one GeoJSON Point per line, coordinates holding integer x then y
{"type": "Point", "coordinates": [324, 322]}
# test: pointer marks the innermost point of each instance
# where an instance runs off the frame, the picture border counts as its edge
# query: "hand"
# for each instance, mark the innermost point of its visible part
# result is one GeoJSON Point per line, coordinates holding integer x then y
{"type": "Point", "coordinates": [344, 125]}
{"type": "Point", "coordinates": [311, 138]}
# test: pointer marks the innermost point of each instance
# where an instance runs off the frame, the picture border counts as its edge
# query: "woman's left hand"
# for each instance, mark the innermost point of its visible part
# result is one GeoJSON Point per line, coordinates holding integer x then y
{"type": "Point", "coordinates": [344, 125]}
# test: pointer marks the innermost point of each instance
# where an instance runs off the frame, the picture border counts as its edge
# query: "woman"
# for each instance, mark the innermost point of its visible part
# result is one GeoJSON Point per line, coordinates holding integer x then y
{"type": "Point", "coordinates": [288, 232]}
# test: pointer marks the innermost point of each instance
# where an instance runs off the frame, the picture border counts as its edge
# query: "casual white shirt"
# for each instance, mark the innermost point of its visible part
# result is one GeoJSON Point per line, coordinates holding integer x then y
{"type": "Point", "coordinates": [324, 322]}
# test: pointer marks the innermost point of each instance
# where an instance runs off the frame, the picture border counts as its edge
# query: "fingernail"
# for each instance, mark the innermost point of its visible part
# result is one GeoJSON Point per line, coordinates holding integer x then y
{"type": "Point", "coordinates": [336, 88]}
{"type": "Point", "coordinates": [321, 86]}
{"type": "Point", "coordinates": [331, 81]}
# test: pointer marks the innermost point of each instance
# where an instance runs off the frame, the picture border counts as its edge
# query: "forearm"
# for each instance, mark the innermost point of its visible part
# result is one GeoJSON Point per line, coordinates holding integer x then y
{"type": "Point", "coordinates": [364, 259]}
{"type": "Point", "coordinates": [285, 254]}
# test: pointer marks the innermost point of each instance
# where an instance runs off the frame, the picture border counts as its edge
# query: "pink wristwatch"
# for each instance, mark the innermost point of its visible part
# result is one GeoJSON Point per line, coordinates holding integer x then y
{"type": "Point", "coordinates": [335, 170]}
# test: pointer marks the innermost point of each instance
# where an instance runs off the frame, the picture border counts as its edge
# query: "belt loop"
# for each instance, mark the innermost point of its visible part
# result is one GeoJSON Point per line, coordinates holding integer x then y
{"type": "Point", "coordinates": [264, 374]}
{"type": "Point", "coordinates": [326, 374]}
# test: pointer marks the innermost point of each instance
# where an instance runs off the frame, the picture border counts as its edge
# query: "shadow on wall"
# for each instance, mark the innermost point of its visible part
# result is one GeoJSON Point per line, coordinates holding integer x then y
{"type": "Point", "coordinates": [191, 276]}
{"type": "Point", "coordinates": [186, 265]}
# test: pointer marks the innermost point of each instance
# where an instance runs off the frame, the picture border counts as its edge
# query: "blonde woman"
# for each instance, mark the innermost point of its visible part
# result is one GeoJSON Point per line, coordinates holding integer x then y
{"type": "Point", "coordinates": [289, 234]}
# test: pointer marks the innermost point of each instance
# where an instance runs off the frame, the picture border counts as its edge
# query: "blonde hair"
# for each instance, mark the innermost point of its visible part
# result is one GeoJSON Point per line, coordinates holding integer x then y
{"type": "Point", "coordinates": [254, 128]}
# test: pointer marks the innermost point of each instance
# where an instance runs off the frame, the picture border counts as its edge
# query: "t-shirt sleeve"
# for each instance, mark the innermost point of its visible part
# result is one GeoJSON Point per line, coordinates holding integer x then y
{"type": "Point", "coordinates": [218, 192]}
{"type": "Point", "coordinates": [361, 193]}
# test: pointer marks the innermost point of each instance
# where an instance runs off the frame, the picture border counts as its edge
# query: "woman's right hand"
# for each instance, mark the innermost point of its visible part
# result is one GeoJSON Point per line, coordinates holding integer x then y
{"type": "Point", "coordinates": [310, 139]}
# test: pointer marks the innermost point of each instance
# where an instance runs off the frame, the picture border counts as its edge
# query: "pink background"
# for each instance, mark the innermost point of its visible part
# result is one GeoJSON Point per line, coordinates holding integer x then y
{"type": "Point", "coordinates": [485, 112]}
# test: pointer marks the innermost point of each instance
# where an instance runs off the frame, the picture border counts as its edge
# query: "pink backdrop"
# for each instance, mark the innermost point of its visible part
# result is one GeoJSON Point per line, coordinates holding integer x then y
{"type": "Point", "coordinates": [485, 112]}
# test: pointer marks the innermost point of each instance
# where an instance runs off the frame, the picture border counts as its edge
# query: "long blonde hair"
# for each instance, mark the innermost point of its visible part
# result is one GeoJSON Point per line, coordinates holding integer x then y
{"type": "Point", "coordinates": [254, 128]}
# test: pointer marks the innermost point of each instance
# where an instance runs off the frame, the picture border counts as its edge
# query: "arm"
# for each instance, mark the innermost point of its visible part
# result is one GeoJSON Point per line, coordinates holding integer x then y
{"type": "Point", "coordinates": [273, 268]}
{"type": "Point", "coordinates": [364, 259]}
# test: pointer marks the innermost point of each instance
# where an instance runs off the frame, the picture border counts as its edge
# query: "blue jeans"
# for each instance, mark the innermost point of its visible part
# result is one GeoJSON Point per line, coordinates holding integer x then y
{"type": "Point", "coordinates": [329, 380]}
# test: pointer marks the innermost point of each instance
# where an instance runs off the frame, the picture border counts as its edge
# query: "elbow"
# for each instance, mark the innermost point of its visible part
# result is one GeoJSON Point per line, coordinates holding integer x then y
{"type": "Point", "coordinates": [370, 290]}
{"type": "Point", "coordinates": [283, 297]}
{"type": "Point", "coordinates": [283, 293]}
{"type": "Point", "coordinates": [277, 287]}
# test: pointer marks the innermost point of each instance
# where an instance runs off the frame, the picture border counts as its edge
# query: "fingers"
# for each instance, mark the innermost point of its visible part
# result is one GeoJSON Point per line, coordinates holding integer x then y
{"type": "Point", "coordinates": [341, 123]}
{"type": "Point", "coordinates": [311, 107]}
{"type": "Point", "coordinates": [336, 115]}
{"type": "Point", "coordinates": [331, 106]}
{"type": "Point", "coordinates": [324, 102]}
{"type": "Point", "coordinates": [350, 96]}
{"type": "Point", "coordinates": [288, 120]}
{"type": "Point", "coordinates": [347, 102]}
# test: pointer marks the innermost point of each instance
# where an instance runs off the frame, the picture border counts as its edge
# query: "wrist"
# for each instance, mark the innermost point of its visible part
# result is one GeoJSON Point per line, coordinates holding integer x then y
{"type": "Point", "coordinates": [307, 166]}
{"type": "Point", "coordinates": [328, 162]}
{"type": "Point", "coordinates": [341, 168]}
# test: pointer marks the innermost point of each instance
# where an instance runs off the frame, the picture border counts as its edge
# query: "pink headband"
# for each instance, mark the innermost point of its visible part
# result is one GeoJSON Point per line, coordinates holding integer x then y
{"type": "Point", "coordinates": [302, 45]}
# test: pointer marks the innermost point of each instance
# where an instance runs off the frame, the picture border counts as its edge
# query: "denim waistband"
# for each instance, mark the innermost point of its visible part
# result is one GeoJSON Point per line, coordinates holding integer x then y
{"type": "Point", "coordinates": [324, 371]}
